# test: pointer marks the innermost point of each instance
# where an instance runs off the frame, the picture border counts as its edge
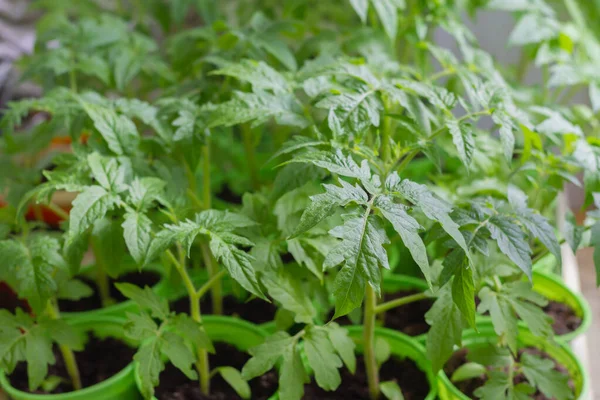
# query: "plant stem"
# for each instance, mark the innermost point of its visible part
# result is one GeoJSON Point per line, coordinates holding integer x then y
{"type": "Point", "coordinates": [209, 284]}
{"type": "Point", "coordinates": [248, 139]}
{"type": "Point", "coordinates": [206, 195]}
{"type": "Point", "coordinates": [369, 342]}
{"type": "Point", "coordinates": [522, 67]}
{"type": "Point", "coordinates": [381, 308]}
{"type": "Point", "coordinates": [386, 131]}
{"type": "Point", "coordinates": [58, 211]}
{"type": "Point", "coordinates": [67, 353]}
{"type": "Point", "coordinates": [102, 281]}
{"type": "Point", "coordinates": [201, 354]}
{"type": "Point", "coordinates": [213, 271]}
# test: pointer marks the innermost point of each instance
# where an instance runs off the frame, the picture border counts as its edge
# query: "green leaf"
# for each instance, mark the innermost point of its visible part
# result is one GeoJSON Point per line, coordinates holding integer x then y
{"type": "Point", "coordinates": [259, 74]}
{"type": "Point", "coordinates": [174, 348]}
{"type": "Point", "coordinates": [343, 345]}
{"type": "Point", "coordinates": [292, 375]}
{"type": "Point", "coordinates": [140, 326]}
{"type": "Point", "coordinates": [361, 7]}
{"type": "Point", "coordinates": [535, 223]}
{"type": "Point", "coordinates": [511, 241]}
{"type": "Point", "coordinates": [258, 107]}
{"type": "Point", "coordinates": [107, 172]}
{"type": "Point", "coordinates": [118, 131]}
{"type": "Point", "coordinates": [136, 231]}
{"type": "Point", "coordinates": [468, 371]}
{"type": "Point", "coordinates": [446, 323]}
{"type": "Point", "coordinates": [143, 192]}
{"type": "Point", "coordinates": [542, 374]}
{"type": "Point", "coordinates": [39, 354]}
{"type": "Point", "coordinates": [265, 355]}
{"type": "Point", "coordinates": [496, 387]}
{"type": "Point", "coordinates": [383, 350]}
{"type": "Point", "coordinates": [287, 290]}
{"type": "Point", "coordinates": [238, 263]}
{"type": "Point", "coordinates": [462, 136]}
{"type": "Point", "coordinates": [336, 163]}
{"type": "Point", "coordinates": [324, 205]}
{"type": "Point", "coordinates": [150, 365]}
{"type": "Point", "coordinates": [108, 245]}
{"type": "Point", "coordinates": [146, 299]}
{"type": "Point", "coordinates": [14, 254]}
{"type": "Point", "coordinates": [503, 318]}
{"type": "Point", "coordinates": [463, 292]}
{"type": "Point", "coordinates": [387, 10]}
{"type": "Point", "coordinates": [391, 390]}
{"type": "Point", "coordinates": [63, 333]}
{"type": "Point", "coordinates": [192, 331]}
{"type": "Point", "coordinates": [322, 358]}
{"type": "Point", "coordinates": [356, 111]}
{"type": "Point", "coordinates": [408, 229]}
{"type": "Point", "coordinates": [361, 254]}
{"type": "Point", "coordinates": [74, 289]}
{"type": "Point", "coordinates": [434, 208]}
{"type": "Point", "coordinates": [234, 378]}
{"type": "Point", "coordinates": [89, 206]}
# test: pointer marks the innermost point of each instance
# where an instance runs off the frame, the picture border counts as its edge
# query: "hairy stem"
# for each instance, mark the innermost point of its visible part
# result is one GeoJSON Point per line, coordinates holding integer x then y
{"type": "Point", "coordinates": [369, 342]}
{"type": "Point", "coordinates": [58, 211]}
{"type": "Point", "coordinates": [210, 283]}
{"type": "Point", "coordinates": [248, 138]}
{"type": "Point", "coordinates": [206, 195]}
{"type": "Point", "coordinates": [386, 132]}
{"type": "Point", "coordinates": [213, 270]}
{"type": "Point", "coordinates": [201, 354]}
{"type": "Point", "coordinates": [381, 308]}
{"type": "Point", "coordinates": [67, 353]}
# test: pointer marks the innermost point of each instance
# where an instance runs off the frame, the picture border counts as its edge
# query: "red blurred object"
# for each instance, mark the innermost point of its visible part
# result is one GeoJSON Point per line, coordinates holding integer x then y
{"type": "Point", "coordinates": [10, 301]}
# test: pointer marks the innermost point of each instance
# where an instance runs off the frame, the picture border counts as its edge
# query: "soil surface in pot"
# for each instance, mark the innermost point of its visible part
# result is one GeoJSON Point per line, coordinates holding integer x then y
{"type": "Point", "coordinates": [94, 302]}
{"type": "Point", "coordinates": [407, 375]}
{"type": "Point", "coordinates": [10, 301]}
{"type": "Point", "coordinates": [408, 319]}
{"type": "Point", "coordinates": [468, 387]}
{"type": "Point", "coordinates": [565, 319]}
{"type": "Point", "coordinates": [174, 385]}
{"type": "Point", "coordinates": [101, 359]}
{"type": "Point", "coordinates": [256, 311]}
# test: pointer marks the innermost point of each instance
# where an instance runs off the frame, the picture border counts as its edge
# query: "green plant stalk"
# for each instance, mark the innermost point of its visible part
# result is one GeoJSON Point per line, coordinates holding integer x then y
{"type": "Point", "coordinates": [202, 365]}
{"type": "Point", "coordinates": [213, 271]}
{"type": "Point", "coordinates": [66, 352]}
{"type": "Point", "coordinates": [58, 211]}
{"type": "Point", "coordinates": [386, 129]}
{"type": "Point", "coordinates": [248, 138]}
{"type": "Point", "coordinates": [101, 277]}
{"type": "Point", "coordinates": [383, 307]}
{"type": "Point", "coordinates": [369, 342]}
{"type": "Point", "coordinates": [206, 194]}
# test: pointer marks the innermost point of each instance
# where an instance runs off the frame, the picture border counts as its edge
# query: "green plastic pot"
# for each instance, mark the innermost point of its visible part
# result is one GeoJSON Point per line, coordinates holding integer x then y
{"type": "Point", "coordinates": [120, 309]}
{"type": "Point", "coordinates": [234, 331]}
{"type": "Point", "coordinates": [553, 288]}
{"type": "Point", "coordinates": [403, 346]}
{"type": "Point", "coordinates": [559, 351]}
{"type": "Point", "coordinates": [118, 387]}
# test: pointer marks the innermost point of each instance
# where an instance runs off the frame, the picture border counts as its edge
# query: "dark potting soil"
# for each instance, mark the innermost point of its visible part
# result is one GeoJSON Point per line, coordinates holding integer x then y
{"type": "Point", "coordinates": [256, 310]}
{"type": "Point", "coordinates": [412, 381]}
{"type": "Point", "coordinates": [565, 319]}
{"type": "Point", "coordinates": [10, 301]}
{"type": "Point", "coordinates": [101, 359]}
{"type": "Point", "coordinates": [408, 319]}
{"type": "Point", "coordinates": [226, 194]}
{"type": "Point", "coordinates": [468, 387]}
{"type": "Point", "coordinates": [174, 385]}
{"type": "Point", "coordinates": [94, 302]}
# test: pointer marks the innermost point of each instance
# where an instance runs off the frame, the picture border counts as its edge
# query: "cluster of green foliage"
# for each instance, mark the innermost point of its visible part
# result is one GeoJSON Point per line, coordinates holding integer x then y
{"type": "Point", "coordinates": [201, 133]}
